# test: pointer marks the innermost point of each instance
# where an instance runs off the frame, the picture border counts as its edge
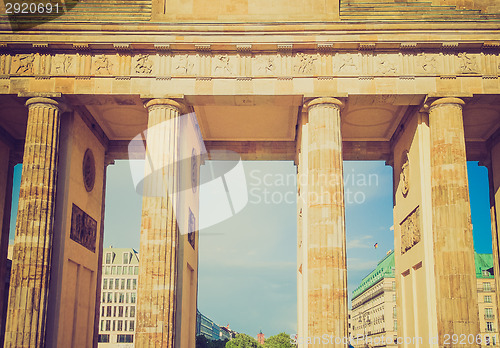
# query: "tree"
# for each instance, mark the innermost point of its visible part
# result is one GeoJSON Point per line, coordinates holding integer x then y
{"type": "Point", "coordinates": [243, 341]}
{"type": "Point", "coordinates": [281, 340]}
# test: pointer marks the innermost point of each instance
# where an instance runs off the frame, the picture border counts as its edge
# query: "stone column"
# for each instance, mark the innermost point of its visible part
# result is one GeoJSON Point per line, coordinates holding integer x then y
{"type": "Point", "coordinates": [26, 316]}
{"type": "Point", "coordinates": [456, 289]}
{"type": "Point", "coordinates": [326, 246]}
{"type": "Point", "coordinates": [159, 230]}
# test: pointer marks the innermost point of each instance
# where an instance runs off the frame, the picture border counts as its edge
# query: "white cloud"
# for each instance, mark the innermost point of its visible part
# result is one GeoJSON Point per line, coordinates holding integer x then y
{"type": "Point", "coordinates": [359, 243]}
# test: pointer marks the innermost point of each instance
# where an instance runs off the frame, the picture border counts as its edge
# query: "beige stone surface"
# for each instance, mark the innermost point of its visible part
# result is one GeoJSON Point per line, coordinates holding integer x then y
{"type": "Point", "coordinates": [457, 308]}
{"type": "Point", "coordinates": [34, 229]}
{"type": "Point", "coordinates": [159, 232]}
{"type": "Point", "coordinates": [326, 250]}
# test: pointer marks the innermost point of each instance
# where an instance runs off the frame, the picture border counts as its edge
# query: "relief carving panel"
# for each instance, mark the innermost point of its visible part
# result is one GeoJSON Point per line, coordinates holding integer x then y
{"type": "Point", "coordinates": [83, 228]}
{"type": "Point", "coordinates": [410, 230]}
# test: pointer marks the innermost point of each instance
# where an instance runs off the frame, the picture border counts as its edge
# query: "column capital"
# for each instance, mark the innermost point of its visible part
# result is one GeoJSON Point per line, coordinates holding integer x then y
{"type": "Point", "coordinates": [43, 102]}
{"type": "Point", "coordinates": [324, 101]}
{"type": "Point", "coordinates": [433, 102]}
{"type": "Point", "coordinates": [168, 103]}
{"type": "Point", "coordinates": [447, 100]}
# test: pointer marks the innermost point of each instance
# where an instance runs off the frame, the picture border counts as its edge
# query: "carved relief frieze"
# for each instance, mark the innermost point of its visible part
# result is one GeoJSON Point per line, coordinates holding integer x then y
{"type": "Point", "coordinates": [347, 63]}
{"type": "Point", "coordinates": [224, 65]}
{"type": "Point", "coordinates": [183, 64]}
{"type": "Point", "coordinates": [386, 64]}
{"type": "Point", "coordinates": [102, 65]}
{"type": "Point", "coordinates": [143, 64]}
{"type": "Point", "coordinates": [305, 63]}
{"type": "Point", "coordinates": [265, 64]}
{"type": "Point", "coordinates": [427, 63]}
{"type": "Point", "coordinates": [410, 230]}
{"type": "Point", "coordinates": [23, 64]}
{"type": "Point", "coordinates": [244, 63]}
{"type": "Point", "coordinates": [468, 63]}
{"type": "Point", "coordinates": [62, 64]}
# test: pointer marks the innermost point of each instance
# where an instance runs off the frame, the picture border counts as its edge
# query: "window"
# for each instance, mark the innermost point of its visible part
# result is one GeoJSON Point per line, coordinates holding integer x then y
{"type": "Point", "coordinates": [105, 284]}
{"type": "Point", "coordinates": [130, 270]}
{"type": "Point", "coordinates": [117, 283]}
{"type": "Point", "coordinates": [119, 270]}
{"type": "Point", "coordinates": [102, 325]}
{"type": "Point", "coordinates": [103, 338]}
{"type": "Point", "coordinates": [108, 311]}
{"type": "Point", "coordinates": [131, 325]}
{"type": "Point", "coordinates": [120, 311]}
{"type": "Point", "coordinates": [126, 311]}
{"type": "Point", "coordinates": [134, 284]}
{"type": "Point", "coordinates": [136, 270]}
{"type": "Point", "coordinates": [119, 326]}
{"type": "Point", "coordinates": [394, 297]}
{"type": "Point", "coordinates": [123, 284]}
{"type": "Point", "coordinates": [114, 325]}
{"type": "Point", "coordinates": [108, 325]}
{"type": "Point", "coordinates": [128, 284]}
{"type": "Point", "coordinates": [125, 338]}
{"type": "Point", "coordinates": [114, 311]}
{"type": "Point", "coordinates": [127, 298]}
{"type": "Point", "coordinates": [107, 270]}
{"type": "Point", "coordinates": [486, 286]}
{"type": "Point", "coordinates": [110, 297]}
{"type": "Point", "coordinates": [109, 258]}
{"type": "Point", "coordinates": [116, 297]}
{"type": "Point", "coordinates": [122, 297]}
{"type": "Point", "coordinates": [394, 313]}
{"type": "Point", "coordinates": [125, 258]}
{"type": "Point", "coordinates": [489, 326]}
{"type": "Point", "coordinates": [132, 297]}
{"type": "Point", "coordinates": [113, 270]}
{"type": "Point", "coordinates": [393, 285]}
{"type": "Point", "coordinates": [132, 311]}
{"type": "Point", "coordinates": [395, 325]}
{"type": "Point", "coordinates": [102, 311]}
{"type": "Point", "coordinates": [111, 284]}
{"type": "Point", "coordinates": [488, 313]}
{"type": "Point", "coordinates": [487, 298]}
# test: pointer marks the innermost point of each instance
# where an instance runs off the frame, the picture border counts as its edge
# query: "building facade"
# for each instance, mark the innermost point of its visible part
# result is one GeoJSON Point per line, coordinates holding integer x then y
{"type": "Point", "coordinates": [412, 83]}
{"type": "Point", "coordinates": [374, 311]}
{"type": "Point", "coordinates": [117, 315]}
{"type": "Point", "coordinates": [212, 331]}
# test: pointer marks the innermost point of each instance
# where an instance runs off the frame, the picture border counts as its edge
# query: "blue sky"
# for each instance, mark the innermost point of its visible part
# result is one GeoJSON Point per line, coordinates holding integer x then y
{"type": "Point", "coordinates": [247, 263]}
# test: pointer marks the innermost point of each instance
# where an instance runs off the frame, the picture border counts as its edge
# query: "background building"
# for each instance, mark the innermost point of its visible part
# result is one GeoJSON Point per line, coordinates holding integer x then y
{"type": "Point", "coordinates": [261, 338]}
{"type": "Point", "coordinates": [117, 320]}
{"type": "Point", "coordinates": [374, 304]}
{"type": "Point", "coordinates": [212, 331]}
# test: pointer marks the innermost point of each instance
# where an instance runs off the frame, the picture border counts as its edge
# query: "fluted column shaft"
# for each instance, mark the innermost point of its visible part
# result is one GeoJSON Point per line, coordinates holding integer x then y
{"type": "Point", "coordinates": [456, 288]}
{"type": "Point", "coordinates": [159, 229]}
{"type": "Point", "coordinates": [26, 316]}
{"type": "Point", "coordinates": [326, 248]}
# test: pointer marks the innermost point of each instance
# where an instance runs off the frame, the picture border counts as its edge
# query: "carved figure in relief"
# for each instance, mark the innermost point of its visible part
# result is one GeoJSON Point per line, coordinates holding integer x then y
{"type": "Point", "coordinates": [62, 63]}
{"type": "Point", "coordinates": [222, 64]}
{"type": "Point", "coordinates": [183, 64]}
{"type": "Point", "coordinates": [468, 64]}
{"type": "Point", "coordinates": [404, 176]}
{"type": "Point", "coordinates": [103, 65]}
{"type": "Point", "coordinates": [144, 65]}
{"type": "Point", "coordinates": [428, 62]}
{"type": "Point", "coordinates": [386, 66]}
{"type": "Point", "coordinates": [306, 63]}
{"type": "Point", "coordinates": [410, 230]}
{"type": "Point", "coordinates": [266, 64]}
{"type": "Point", "coordinates": [347, 63]}
{"type": "Point", "coordinates": [25, 63]}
